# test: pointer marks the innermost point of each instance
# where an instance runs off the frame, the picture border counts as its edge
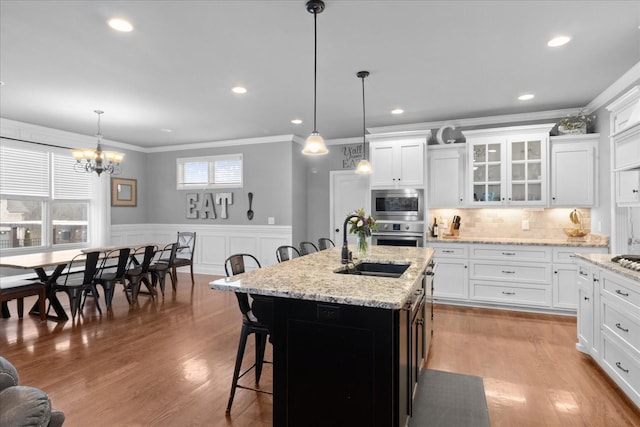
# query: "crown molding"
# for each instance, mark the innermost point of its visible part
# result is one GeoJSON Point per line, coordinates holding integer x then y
{"type": "Point", "coordinates": [627, 79]}
{"type": "Point", "coordinates": [475, 121]}
{"type": "Point", "coordinates": [226, 143]}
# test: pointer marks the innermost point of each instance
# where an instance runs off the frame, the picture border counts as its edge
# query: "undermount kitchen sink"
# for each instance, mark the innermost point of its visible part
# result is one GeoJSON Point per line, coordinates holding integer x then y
{"type": "Point", "coordinates": [375, 269]}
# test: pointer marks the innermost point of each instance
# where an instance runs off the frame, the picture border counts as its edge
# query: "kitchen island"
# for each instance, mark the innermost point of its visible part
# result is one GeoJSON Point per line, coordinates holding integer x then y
{"type": "Point", "coordinates": [347, 348]}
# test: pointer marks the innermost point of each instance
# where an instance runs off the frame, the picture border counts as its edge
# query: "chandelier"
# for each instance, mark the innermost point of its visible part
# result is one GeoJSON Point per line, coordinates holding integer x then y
{"type": "Point", "coordinates": [98, 161]}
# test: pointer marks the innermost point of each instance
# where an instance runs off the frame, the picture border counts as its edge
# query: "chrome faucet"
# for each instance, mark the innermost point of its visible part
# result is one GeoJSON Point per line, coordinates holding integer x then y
{"type": "Point", "coordinates": [346, 254]}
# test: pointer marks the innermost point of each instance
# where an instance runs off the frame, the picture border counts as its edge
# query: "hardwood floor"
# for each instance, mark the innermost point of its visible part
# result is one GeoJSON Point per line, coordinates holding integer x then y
{"type": "Point", "coordinates": [169, 363]}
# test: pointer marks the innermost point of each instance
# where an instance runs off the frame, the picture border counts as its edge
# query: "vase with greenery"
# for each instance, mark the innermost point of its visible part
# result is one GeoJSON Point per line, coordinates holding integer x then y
{"type": "Point", "coordinates": [357, 227]}
{"type": "Point", "coordinates": [575, 124]}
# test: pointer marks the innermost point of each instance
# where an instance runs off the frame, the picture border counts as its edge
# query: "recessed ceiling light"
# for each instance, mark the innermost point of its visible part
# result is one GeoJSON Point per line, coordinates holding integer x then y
{"type": "Point", "coordinates": [558, 41]}
{"type": "Point", "coordinates": [526, 97]}
{"type": "Point", "coordinates": [239, 89]}
{"type": "Point", "coordinates": [397, 111]}
{"type": "Point", "coordinates": [166, 130]}
{"type": "Point", "coordinates": [120, 24]}
{"type": "Point", "coordinates": [296, 121]}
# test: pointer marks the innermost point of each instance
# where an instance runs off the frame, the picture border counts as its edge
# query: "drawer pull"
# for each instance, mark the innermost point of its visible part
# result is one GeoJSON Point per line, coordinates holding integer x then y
{"type": "Point", "coordinates": [621, 328]}
{"type": "Point", "coordinates": [508, 272]}
{"type": "Point", "coordinates": [619, 366]}
{"type": "Point", "coordinates": [583, 273]}
{"type": "Point", "coordinates": [508, 293]}
{"type": "Point", "coordinates": [619, 292]}
{"type": "Point", "coordinates": [447, 251]}
{"type": "Point", "coordinates": [572, 256]}
{"type": "Point", "coordinates": [509, 253]}
{"type": "Point", "coordinates": [586, 298]}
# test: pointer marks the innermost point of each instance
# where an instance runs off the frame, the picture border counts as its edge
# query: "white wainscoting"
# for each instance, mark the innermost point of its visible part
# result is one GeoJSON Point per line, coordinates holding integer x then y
{"type": "Point", "coordinates": [214, 243]}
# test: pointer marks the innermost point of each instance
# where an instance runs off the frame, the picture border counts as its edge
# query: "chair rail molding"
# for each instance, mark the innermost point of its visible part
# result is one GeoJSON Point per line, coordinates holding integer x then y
{"type": "Point", "coordinates": [214, 242]}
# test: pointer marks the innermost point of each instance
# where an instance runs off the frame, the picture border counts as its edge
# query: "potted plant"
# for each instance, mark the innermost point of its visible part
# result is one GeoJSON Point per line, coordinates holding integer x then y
{"type": "Point", "coordinates": [575, 124]}
{"type": "Point", "coordinates": [357, 227]}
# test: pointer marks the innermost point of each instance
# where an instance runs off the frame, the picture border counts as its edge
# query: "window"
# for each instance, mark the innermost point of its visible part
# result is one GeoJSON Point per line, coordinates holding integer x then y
{"type": "Point", "coordinates": [43, 201]}
{"type": "Point", "coordinates": [209, 172]}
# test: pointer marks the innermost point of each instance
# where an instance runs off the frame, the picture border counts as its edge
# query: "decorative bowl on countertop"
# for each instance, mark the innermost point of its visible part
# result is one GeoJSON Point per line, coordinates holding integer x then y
{"type": "Point", "coordinates": [576, 232]}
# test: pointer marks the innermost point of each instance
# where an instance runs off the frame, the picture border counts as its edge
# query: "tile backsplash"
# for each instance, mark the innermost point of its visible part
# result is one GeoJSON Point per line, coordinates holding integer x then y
{"type": "Point", "coordinates": [501, 222]}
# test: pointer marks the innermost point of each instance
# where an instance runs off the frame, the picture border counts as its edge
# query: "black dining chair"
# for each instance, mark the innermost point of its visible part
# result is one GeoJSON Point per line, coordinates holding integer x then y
{"type": "Point", "coordinates": [233, 265]}
{"type": "Point", "coordinates": [307, 248]}
{"type": "Point", "coordinates": [184, 255]}
{"type": "Point", "coordinates": [138, 273]}
{"type": "Point", "coordinates": [163, 266]}
{"type": "Point", "coordinates": [78, 284]}
{"type": "Point", "coordinates": [107, 277]}
{"type": "Point", "coordinates": [325, 243]}
{"type": "Point", "coordinates": [285, 253]}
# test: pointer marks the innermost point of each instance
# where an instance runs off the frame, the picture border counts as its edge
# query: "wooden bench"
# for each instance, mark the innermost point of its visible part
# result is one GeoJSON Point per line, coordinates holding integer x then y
{"type": "Point", "coordinates": [18, 287]}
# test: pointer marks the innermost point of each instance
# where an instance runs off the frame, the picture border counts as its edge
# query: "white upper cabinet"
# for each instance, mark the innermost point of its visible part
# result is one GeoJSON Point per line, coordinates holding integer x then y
{"type": "Point", "coordinates": [625, 130]}
{"type": "Point", "coordinates": [446, 175]}
{"type": "Point", "coordinates": [508, 166]}
{"type": "Point", "coordinates": [574, 170]}
{"type": "Point", "coordinates": [628, 188]}
{"type": "Point", "coordinates": [397, 163]}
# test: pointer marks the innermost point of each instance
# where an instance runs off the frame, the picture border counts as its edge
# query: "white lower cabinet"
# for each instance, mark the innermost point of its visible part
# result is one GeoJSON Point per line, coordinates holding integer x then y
{"type": "Point", "coordinates": [451, 280]}
{"type": "Point", "coordinates": [513, 276]}
{"type": "Point", "coordinates": [564, 284]}
{"type": "Point", "coordinates": [609, 324]}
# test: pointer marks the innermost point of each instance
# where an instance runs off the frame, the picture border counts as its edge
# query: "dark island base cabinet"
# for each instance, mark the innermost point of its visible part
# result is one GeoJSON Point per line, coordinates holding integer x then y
{"type": "Point", "coordinates": [339, 365]}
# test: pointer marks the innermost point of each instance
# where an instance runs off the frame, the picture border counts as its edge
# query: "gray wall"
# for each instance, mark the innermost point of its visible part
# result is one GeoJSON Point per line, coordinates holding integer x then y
{"type": "Point", "coordinates": [133, 167]}
{"type": "Point", "coordinates": [267, 174]}
{"type": "Point", "coordinates": [299, 195]}
{"type": "Point", "coordinates": [318, 196]}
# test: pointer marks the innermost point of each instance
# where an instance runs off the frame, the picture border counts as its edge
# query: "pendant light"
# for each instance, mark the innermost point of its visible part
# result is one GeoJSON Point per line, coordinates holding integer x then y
{"type": "Point", "coordinates": [364, 167]}
{"type": "Point", "coordinates": [314, 146]}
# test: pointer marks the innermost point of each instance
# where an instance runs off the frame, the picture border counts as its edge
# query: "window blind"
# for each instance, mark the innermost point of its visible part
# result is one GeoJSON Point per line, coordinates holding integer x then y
{"type": "Point", "coordinates": [24, 172]}
{"type": "Point", "coordinates": [67, 183]}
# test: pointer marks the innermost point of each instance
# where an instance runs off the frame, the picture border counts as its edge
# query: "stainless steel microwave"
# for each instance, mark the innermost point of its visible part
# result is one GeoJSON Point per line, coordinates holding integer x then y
{"type": "Point", "coordinates": [398, 205]}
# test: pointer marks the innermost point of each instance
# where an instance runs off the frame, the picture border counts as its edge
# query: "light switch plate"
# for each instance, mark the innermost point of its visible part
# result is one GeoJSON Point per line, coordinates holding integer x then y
{"type": "Point", "coordinates": [525, 224]}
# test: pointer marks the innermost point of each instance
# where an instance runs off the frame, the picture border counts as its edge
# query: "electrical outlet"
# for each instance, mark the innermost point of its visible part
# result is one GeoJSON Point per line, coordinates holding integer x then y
{"type": "Point", "coordinates": [271, 220]}
{"type": "Point", "coordinates": [525, 224]}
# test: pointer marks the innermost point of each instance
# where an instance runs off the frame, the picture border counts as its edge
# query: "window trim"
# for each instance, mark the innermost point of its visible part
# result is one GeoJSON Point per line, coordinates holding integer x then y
{"type": "Point", "coordinates": [211, 161]}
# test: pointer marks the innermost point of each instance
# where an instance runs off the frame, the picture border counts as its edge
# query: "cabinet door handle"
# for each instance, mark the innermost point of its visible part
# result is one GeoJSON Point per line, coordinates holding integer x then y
{"type": "Point", "coordinates": [619, 292]}
{"type": "Point", "coordinates": [621, 328]}
{"type": "Point", "coordinates": [619, 366]}
{"type": "Point", "coordinates": [582, 273]}
{"type": "Point", "coordinates": [634, 191]}
{"type": "Point", "coordinates": [586, 298]}
{"type": "Point", "coordinates": [509, 253]}
{"type": "Point", "coordinates": [508, 272]}
{"type": "Point", "coordinates": [508, 293]}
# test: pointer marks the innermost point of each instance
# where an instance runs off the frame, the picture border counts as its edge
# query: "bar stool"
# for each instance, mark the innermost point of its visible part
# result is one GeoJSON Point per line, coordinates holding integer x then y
{"type": "Point", "coordinates": [325, 243]}
{"type": "Point", "coordinates": [233, 265]}
{"type": "Point", "coordinates": [307, 248]}
{"type": "Point", "coordinates": [282, 253]}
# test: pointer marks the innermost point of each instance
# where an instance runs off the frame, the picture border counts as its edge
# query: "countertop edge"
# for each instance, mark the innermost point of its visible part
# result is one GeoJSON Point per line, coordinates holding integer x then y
{"type": "Point", "coordinates": [604, 261]}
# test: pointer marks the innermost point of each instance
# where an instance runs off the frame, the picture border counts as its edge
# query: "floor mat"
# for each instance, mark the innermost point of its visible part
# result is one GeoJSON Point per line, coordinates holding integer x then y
{"type": "Point", "coordinates": [446, 399]}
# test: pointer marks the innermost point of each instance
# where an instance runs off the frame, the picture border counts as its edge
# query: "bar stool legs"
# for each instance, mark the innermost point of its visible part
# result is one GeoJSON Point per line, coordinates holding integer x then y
{"type": "Point", "coordinates": [261, 344]}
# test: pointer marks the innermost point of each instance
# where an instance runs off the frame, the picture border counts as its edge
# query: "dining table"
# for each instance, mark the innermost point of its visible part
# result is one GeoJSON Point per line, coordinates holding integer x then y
{"type": "Point", "coordinates": [49, 266]}
{"type": "Point", "coordinates": [41, 263]}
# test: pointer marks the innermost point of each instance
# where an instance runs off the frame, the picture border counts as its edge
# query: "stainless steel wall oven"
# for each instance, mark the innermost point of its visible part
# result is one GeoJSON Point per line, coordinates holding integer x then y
{"type": "Point", "coordinates": [400, 217]}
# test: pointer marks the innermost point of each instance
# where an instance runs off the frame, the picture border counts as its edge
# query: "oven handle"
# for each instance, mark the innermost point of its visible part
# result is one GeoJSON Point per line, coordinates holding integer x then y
{"type": "Point", "coordinates": [401, 234]}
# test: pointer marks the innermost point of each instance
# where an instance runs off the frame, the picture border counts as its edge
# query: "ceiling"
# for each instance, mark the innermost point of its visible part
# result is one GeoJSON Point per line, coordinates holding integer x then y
{"type": "Point", "coordinates": [437, 60]}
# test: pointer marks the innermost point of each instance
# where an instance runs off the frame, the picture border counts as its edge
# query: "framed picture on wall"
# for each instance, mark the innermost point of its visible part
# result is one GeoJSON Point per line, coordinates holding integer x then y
{"type": "Point", "coordinates": [124, 192]}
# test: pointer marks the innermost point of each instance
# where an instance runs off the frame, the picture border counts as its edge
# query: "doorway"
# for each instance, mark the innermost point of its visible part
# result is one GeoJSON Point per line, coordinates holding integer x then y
{"type": "Point", "coordinates": [348, 192]}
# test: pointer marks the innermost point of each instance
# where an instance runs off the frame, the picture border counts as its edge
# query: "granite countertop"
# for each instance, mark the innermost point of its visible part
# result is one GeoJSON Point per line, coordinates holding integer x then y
{"type": "Point", "coordinates": [592, 241]}
{"type": "Point", "coordinates": [312, 277]}
{"type": "Point", "coordinates": [604, 261]}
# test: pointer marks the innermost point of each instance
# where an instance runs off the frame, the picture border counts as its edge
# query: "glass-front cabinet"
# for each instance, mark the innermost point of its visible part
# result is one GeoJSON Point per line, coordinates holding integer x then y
{"type": "Point", "coordinates": [508, 166]}
{"type": "Point", "coordinates": [487, 171]}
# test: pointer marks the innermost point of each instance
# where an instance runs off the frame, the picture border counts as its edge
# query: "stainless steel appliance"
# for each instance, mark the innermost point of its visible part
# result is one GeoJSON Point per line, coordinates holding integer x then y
{"type": "Point", "coordinates": [398, 205]}
{"type": "Point", "coordinates": [408, 233]}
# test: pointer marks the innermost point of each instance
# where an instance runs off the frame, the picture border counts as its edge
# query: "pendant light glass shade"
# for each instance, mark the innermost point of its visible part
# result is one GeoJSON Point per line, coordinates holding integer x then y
{"type": "Point", "coordinates": [315, 146]}
{"type": "Point", "coordinates": [364, 167]}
